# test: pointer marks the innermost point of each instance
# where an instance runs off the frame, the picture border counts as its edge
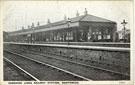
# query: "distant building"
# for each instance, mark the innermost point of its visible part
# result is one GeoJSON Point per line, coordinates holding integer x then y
{"type": "Point", "coordinates": [124, 36]}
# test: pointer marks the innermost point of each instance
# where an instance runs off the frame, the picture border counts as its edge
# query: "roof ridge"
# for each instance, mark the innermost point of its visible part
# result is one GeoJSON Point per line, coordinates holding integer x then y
{"type": "Point", "coordinates": [83, 17]}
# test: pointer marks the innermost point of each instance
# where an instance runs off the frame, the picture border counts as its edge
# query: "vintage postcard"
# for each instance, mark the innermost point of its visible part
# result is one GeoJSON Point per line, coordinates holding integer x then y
{"type": "Point", "coordinates": [66, 42]}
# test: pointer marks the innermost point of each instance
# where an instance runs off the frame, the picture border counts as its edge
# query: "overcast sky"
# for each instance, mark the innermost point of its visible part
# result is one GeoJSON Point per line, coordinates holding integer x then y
{"type": "Point", "coordinates": [22, 13]}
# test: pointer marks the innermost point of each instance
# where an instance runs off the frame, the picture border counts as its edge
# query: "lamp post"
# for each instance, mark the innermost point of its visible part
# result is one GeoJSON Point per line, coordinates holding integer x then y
{"type": "Point", "coordinates": [68, 23]}
{"type": "Point", "coordinates": [124, 28]}
{"type": "Point", "coordinates": [33, 36]}
{"type": "Point", "coordinates": [33, 39]}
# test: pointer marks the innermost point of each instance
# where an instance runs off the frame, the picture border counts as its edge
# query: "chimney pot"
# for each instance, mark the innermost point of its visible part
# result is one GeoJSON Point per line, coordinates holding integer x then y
{"type": "Point", "coordinates": [38, 24]}
{"type": "Point", "coordinates": [77, 14]}
{"type": "Point", "coordinates": [32, 25]}
{"type": "Point", "coordinates": [48, 22]}
{"type": "Point", "coordinates": [85, 12]}
{"type": "Point", "coordinates": [65, 17]}
{"type": "Point", "coordinates": [28, 26]}
{"type": "Point", "coordinates": [22, 27]}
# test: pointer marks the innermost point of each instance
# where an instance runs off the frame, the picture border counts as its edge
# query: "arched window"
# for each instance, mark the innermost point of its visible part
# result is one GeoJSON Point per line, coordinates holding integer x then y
{"type": "Point", "coordinates": [89, 33]}
{"type": "Point", "coordinates": [69, 35]}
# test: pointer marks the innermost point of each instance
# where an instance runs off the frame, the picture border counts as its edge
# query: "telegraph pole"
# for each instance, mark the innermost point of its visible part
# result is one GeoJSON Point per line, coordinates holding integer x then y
{"type": "Point", "coordinates": [124, 28]}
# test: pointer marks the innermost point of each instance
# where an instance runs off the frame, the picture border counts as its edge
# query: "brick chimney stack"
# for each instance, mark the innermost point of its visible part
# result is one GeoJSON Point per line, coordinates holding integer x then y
{"type": "Point", "coordinates": [77, 14]}
{"type": "Point", "coordinates": [22, 27]}
{"type": "Point", "coordinates": [38, 24]}
{"type": "Point", "coordinates": [48, 22]}
{"type": "Point", "coordinates": [28, 26]}
{"type": "Point", "coordinates": [65, 17]}
{"type": "Point", "coordinates": [85, 12]}
{"type": "Point", "coordinates": [32, 25]}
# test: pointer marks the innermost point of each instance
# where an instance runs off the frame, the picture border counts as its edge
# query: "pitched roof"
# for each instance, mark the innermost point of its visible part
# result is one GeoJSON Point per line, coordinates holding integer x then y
{"type": "Point", "coordinates": [75, 19]}
{"type": "Point", "coordinates": [88, 17]}
{"type": "Point", "coordinates": [19, 31]}
{"type": "Point", "coordinates": [93, 18]}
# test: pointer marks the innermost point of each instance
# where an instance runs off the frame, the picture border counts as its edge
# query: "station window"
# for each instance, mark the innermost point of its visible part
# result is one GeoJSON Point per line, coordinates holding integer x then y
{"type": "Point", "coordinates": [81, 32]}
{"type": "Point", "coordinates": [108, 37]}
{"type": "Point", "coordinates": [99, 37]}
{"type": "Point", "coordinates": [96, 31]}
{"type": "Point", "coordinates": [104, 36]}
{"type": "Point", "coordinates": [54, 38]}
{"type": "Point", "coordinates": [89, 37]}
{"type": "Point", "coordinates": [58, 36]}
{"type": "Point", "coordinates": [89, 34]}
{"type": "Point", "coordinates": [69, 36]}
{"type": "Point", "coordinates": [93, 33]}
{"type": "Point", "coordinates": [107, 31]}
{"type": "Point", "coordinates": [99, 32]}
{"type": "Point", "coordinates": [95, 37]}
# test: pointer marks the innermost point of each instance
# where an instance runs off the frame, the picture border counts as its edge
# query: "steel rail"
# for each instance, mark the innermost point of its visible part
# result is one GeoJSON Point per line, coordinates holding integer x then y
{"type": "Point", "coordinates": [84, 78]}
{"type": "Point", "coordinates": [26, 72]}
{"type": "Point", "coordinates": [84, 65]}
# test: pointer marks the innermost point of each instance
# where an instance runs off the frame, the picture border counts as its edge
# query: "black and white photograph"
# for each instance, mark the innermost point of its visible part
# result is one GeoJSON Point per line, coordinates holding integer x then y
{"type": "Point", "coordinates": [67, 42]}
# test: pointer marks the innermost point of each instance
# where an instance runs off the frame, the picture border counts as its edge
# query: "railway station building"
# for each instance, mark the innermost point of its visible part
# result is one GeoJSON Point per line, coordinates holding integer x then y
{"type": "Point", "coordinates": [82, 28]}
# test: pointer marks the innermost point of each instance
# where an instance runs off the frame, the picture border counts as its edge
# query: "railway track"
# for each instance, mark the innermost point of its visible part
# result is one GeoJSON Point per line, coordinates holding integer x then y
{"type": "Point", "coordinates": [108, 75]}
{"type": "Point", "coordinates": [42, 71]}
{"type": "Point", "coordinates": [79, 61]}
{"type": "Point", "coordinates": [75, 61]}
{"type": "Point", "coordinates": [15, 72]}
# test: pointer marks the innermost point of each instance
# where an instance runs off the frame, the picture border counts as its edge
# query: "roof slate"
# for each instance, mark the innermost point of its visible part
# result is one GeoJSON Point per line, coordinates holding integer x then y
{"type": "Point", "coordinates": [93, 18]}
{"type": "Point", "coordinates": [87, 17]}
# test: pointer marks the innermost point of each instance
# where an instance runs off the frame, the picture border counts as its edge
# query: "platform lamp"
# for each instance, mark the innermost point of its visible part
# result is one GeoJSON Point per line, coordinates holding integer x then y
{"type": "Point", "coordinates": [68, 23]}
{"type": "Point", "coordinates": [124, 28]}
{"type": "Point", "coordinates": [33, 37]}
